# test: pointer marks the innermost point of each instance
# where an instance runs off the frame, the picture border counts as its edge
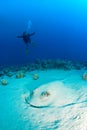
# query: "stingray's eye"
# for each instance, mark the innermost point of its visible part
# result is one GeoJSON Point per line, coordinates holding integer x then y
{"type": "Point", "coordinates": [44, 94]}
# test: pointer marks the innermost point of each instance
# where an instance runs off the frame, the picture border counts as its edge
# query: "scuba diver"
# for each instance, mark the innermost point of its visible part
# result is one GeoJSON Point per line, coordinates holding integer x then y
{"type": "Point", "coordinates": [26, 38]}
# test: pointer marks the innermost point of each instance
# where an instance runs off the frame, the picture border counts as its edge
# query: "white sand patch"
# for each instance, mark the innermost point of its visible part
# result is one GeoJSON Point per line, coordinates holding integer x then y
{"type": "Point", "coordinates": [64, 107]}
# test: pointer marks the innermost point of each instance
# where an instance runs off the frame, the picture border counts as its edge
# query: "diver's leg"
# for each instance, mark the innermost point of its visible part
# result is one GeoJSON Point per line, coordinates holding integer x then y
{"type": "Point", "coordinates": [27, 49]}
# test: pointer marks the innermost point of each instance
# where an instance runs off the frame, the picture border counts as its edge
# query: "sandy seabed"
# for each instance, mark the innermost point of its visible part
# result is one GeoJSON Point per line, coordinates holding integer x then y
{"type": "Point", "coordinates": [57, 100]}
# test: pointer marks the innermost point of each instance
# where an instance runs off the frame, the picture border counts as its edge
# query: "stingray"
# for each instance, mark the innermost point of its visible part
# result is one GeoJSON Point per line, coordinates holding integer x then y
{"type": "Point", "coordinates": [51, 95]}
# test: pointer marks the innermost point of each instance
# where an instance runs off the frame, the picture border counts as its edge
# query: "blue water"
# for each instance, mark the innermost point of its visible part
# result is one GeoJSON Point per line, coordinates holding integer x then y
{"type": "Point", "coordinates": [60, 26]}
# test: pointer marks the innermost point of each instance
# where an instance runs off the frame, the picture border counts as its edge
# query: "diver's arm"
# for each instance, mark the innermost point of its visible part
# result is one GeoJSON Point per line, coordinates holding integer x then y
{"type": "Point", "coordinates": [32, 34]}
{"type": "Point", "coordinates": [19, 36]}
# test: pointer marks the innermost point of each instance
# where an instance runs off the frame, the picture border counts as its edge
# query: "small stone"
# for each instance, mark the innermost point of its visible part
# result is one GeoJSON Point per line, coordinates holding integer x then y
{"type": "Point", "coordinates": [84, 76]}
{"type": "Point", "coordinates": [4, 82]}
{"type": "Point", "coordinates": [1, 73]}
{"type": "Point", "coordinates": [35, 76]}
{"type": "Point", "coordinates": [10, 74]}
{"type": "Point", "coordinates": [20, 75]}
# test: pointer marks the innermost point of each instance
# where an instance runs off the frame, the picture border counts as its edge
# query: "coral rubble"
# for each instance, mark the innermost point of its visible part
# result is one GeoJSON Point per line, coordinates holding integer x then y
{"type": "Point", "coordinates": [4, 82]}
{"type": "Point", "coordinates": [35, 76]}
{"type": "Point", "coordinates": [84, 76]}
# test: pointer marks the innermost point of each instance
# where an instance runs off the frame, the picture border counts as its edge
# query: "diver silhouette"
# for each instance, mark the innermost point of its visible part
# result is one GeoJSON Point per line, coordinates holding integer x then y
{"type": "Point", "coordinates": [26, 38]}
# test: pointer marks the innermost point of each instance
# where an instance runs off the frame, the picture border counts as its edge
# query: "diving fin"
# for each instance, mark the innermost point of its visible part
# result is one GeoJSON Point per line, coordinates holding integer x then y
{"type": "Point", "coordinates": [27, 51]}
{"type": "Point", "coordinates": [34, 44]}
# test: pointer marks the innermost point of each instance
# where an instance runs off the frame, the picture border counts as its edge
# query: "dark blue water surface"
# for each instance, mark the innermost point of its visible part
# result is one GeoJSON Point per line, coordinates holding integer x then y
{"type": "Point", "coordinates": [60, 26]}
